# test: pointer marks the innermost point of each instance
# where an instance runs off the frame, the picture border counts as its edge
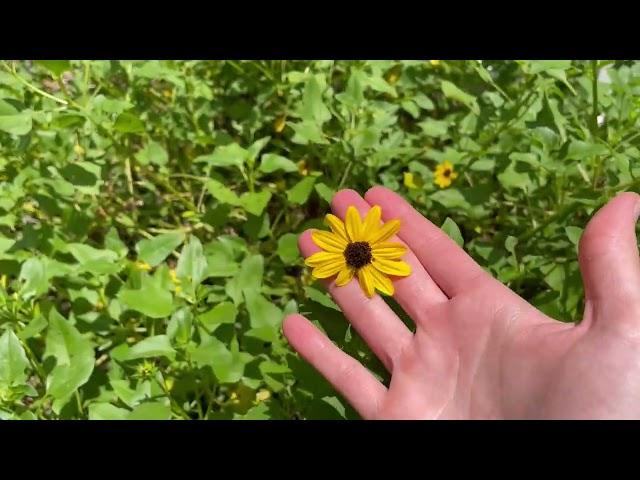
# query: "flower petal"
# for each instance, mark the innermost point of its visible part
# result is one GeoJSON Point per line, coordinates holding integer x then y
{"type": "Point", "coordinates": [371, 221]}
{"type": "Point", "coordinates": [385, 232]}
{"type": "Point", "coordinates": [336, 225]}
{"type": "Point", "coordinates": [366, 281]}
{"type": "Point", "coordinates": [320, 258]}
{"type": "Point", "coordinates": [353, 224]}
{"type": "Point", "coordinates": [327, 270]}
{"type": "Point", "coordinates": [344, 277]}
{"type": "Point", "coordinates": [328, 241]}
{"type": "Point", "coordinates": [382, 282]}
{"type": "Point", "coordinates": [397, 268]}
{"type": "Point", "coordinates": [389, 250]}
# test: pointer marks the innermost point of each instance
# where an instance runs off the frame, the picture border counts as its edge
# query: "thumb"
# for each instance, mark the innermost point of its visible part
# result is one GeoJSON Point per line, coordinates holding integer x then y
{"type": "Point", "coordinates": [609, 262]}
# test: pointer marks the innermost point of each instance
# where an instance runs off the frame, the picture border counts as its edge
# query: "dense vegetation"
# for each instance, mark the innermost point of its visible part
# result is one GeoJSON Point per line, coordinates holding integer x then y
{"type": "Point", "coordinates": [149, 212]}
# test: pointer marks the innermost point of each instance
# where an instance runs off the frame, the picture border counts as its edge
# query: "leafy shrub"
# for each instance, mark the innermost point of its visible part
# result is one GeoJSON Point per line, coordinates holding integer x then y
{"type": "Point", "coordinates": [149, 212]}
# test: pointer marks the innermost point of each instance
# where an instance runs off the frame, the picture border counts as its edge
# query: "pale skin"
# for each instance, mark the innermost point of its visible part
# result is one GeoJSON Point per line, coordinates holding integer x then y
{"type": "Point", "coordinates": [479, 350]}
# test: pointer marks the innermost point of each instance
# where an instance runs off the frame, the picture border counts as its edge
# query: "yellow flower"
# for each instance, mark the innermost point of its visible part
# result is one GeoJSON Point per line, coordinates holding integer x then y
{"type": "Point", "coordinates": [174, 276]}
{"type": "Point", "coordinates": [302, 168]}
{"type": "Point", "coordinates": [435, 63]}
{"type": "Point", "coordinates": [140, 265]}
{"type": "Point", "coordinates": [263, 395]}
{"type": "Point", "coordinates": [444, 174]}
{"type": "Point", "coordinates": [78, 150]}
{"type": "Point", "coordinates": [3, 281]}
{"type": "Point", "coordinates": [409, 180]}
{"type": "Point", "coordinates": [279, 124]}
{"type": "Point", "coordinates": [359, 248]}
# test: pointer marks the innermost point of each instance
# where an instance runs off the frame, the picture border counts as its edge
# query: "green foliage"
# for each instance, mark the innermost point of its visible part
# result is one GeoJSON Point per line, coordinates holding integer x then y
{"type": "Point", "coordinates": [149, 213]}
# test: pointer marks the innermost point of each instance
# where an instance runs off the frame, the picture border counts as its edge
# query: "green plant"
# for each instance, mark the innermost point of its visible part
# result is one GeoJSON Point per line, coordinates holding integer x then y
{"type": "Point", "coordinates": [149, 212]}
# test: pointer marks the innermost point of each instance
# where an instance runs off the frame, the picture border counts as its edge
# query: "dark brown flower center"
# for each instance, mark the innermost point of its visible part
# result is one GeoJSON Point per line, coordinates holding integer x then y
{"type": "Point", "coordinates": [447, 172]}
{"type": "Point", "coordinates": [358, 254]}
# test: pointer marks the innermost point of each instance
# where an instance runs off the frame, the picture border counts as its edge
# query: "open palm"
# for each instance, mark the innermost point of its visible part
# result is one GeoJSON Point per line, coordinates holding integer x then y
{"type": "Point", "coordinates": [479, 350]}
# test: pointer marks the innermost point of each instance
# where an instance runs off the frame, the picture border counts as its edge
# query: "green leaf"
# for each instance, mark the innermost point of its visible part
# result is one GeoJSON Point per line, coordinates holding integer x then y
{"type": "Point", "coordinates": [325, 192]}
{"type": "Point", "coordinates": [256, 147]}
{"type": "Point", "coordinates": [353, 96]}
{"type": "Point", "coordinates": [573, 234]}
{"type": "Point", "coordinates": [18, 124]}
{"type": "Point", "coordinates": [156, 346]}
{"type": "Point", "coordinates": [150, 411]}
{"type": "Point", "coordinates": [270, 163]}
{"type": "Point", "coordinates": [179, 328]}
{"type": "Point", "coordinates": [255, 202]}
{"type": "Point", "coordinates": [381, 85]}
{"type": "Point", "coordinates": [74, 358]}
{"type": "Point", "coordinates": [313, 108]}
{"type": "Point", "coordinates": [68, 120]}
{"type": "Point", "coordinates": [510, 245]}
{"type": "Point", "coordinates": [450, 198]}
{"type": "Point", "coordinates": [6, 244]}
{"type": "Point", "coordinates": [452, 91]}
{"type": "Point", "coordinates": [220, 262]}
{"type": "Point", "coordinates": [150, 300]}
{"type": "Point", "coordinates": [128, 123]}
{"type": "Point", "coordinates": [34, 327]}
{"type": "Point", "coordinates": [93, 259]}
{"type": "Point", "coordinates": [154, 153]}
{"type": "Point", "coordinates": [320, 297]}
{"type": "Point", "coordinates": [434, 128]}
{"type": "Point", "coordinates": [226, 156]}
{"type": "Point", "coordinates": [222, 193]}
{"type": "Point", "coordinates": [106, 411]}
{"type": "Point", "coordinates": [227, 365]}
{"type": "Point", "coordinates": [453, 231]}
{"type": "Point", "coordinates": [224, 312]}
{"type": "Point", "coordinates": [129, 396]}
{"type": "Point", "coordinates": [251, 271]}
{"type": "Point", "coordinates": [192, 263]}
{"type": "Point", "coordinates": [264, 316]}
{"type": "Point", "coordinates": [13, 360]}
{"type": "Point", "coordinates": [34, 277]}
{"type": "Point", "coordinates": [57, 67]}
{"type": "Point", "coordinates": [288, 248]}
{"type": "Point", "coordinates": [300, 192]}
{"type": "Point", "coordinates": [155, 250]}
{"type": "Point", "coordinates": [579, 150]}
{"type": "Point", "coordinates": [537, 66]}
{"type": "Point", "coordinates": [308, 132]}
{"type": "Point", "coordinates": [258, 412]}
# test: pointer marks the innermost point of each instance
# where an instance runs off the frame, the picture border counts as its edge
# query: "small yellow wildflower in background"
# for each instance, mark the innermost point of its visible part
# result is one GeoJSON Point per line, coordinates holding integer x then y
{"type": "Point", "coordinates": [144, 266]}
{"type": "Point", "coordinates": [262, 395]}
{"type": "Point", "coordinates": [78, 150]}
{"type": "Point", "coordinates": [175, 280]}
{"type": "Point", "coordinates": [435, 63]}
{"type": "Point", "coordinates": [302, 168]}
{"type": "Point", "coordinates": [3, 281]}
{"type": "Point", "coordinates": [169, 383]}
{"type": "Point", "coordinates": [168, 93]}
{"type": "Point", "coordinates": [279, 124]}
{"type": "Point", "coordinates": [409, 180]}
{"type": "Point", "coordinates": [444, 174]}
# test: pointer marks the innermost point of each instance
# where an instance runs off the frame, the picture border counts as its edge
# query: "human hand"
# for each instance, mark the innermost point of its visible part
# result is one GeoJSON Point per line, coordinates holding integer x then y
{"type": "Point", "coordinates": [479, 350]}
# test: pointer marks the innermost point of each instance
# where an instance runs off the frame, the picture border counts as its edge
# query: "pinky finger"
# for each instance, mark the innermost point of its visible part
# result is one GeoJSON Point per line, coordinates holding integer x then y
{"type": "Point", "coordinates": [348, 376]}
